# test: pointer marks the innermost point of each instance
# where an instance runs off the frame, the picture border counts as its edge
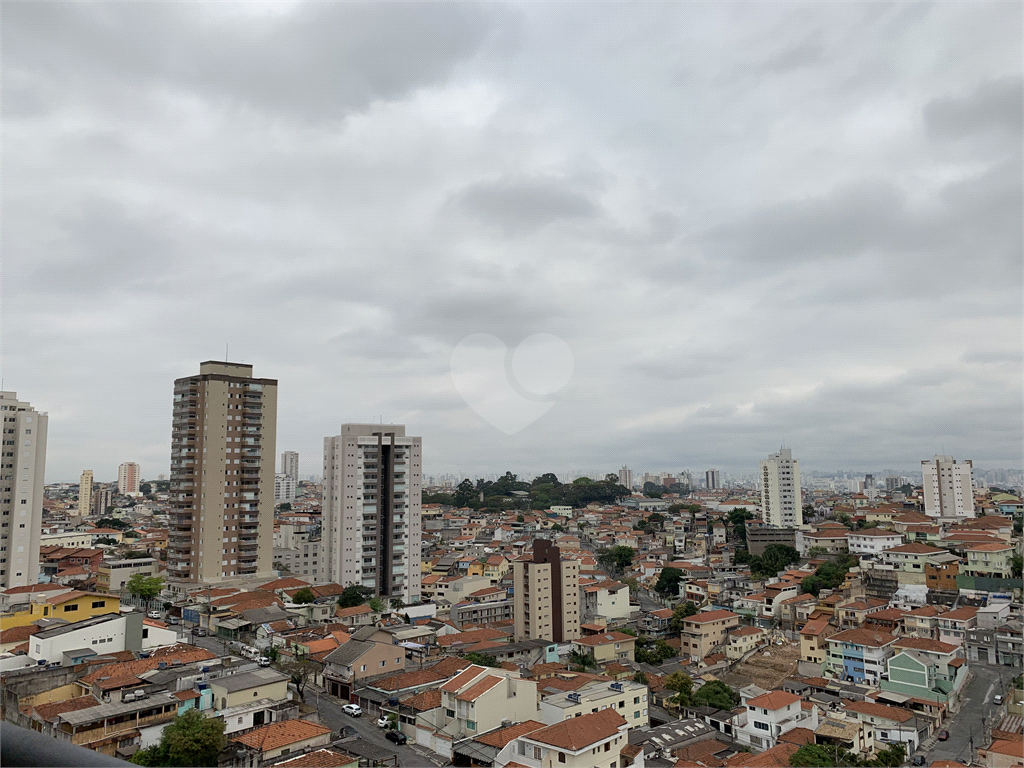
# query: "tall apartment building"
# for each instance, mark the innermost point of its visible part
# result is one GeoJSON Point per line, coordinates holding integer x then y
{"type": "Point", "coordinates": [284, 488]}
{"type": "Point", "coordinates": [290, 464]}
{"type": "Point", "coordinates": [626, 477]}
{"type": "Point", "coordinates": [22, 467]}
{"type": "Point", "coordinates": [711, 480]}
{"type": "Point", "coordinates": [948, 489]}
{"type": "Point", "coordinates": [372, 497]}
{"type": "Point", "coordinates": [546, 594]}
{"type": "Point", "coordinates": [101, 499]}
{"type": "Point", "coordinates": [85, 493]}
{"type": "Point", "coordinates": [128, 479]}
{"type": "Point", "coordinates": [224, 431]}
{"type": "Point", "coordinates": [780, 489]}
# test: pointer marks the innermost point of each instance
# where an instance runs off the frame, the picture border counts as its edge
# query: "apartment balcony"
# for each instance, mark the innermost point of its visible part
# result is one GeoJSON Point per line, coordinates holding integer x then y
{"type": "Point", "coordinates": [245, 569]}
{"type": "Point", "coordinates": [179, 571]}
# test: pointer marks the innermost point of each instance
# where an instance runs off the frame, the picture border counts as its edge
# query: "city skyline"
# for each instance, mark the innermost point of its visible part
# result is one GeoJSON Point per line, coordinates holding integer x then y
{"type": "Point", "coordinates": [751, 226]}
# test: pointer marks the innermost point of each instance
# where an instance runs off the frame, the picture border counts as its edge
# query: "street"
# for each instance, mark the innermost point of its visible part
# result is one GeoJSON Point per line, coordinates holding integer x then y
{"type": "Point", "coordinates": [967, 727]}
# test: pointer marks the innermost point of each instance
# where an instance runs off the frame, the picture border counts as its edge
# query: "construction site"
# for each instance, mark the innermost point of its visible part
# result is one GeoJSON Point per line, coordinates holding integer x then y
{"type": "Point", "coordinates": [767, 667]}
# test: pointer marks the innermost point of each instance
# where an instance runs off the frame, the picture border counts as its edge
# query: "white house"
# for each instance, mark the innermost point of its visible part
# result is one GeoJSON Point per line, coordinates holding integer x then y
{"type": "Point", "coordinates": [889, 724]}
{"type": "Point", "coordinates": [593, 739]}
{"type": "Point", "coordinates": [872, 541]}
{"type": "Point", "coordinates": [770, 715]}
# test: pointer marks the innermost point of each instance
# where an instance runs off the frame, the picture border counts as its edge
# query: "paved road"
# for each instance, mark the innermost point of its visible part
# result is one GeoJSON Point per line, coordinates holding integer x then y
{"type": "Point", "coordinates": [329, 707]}
{"type": "Point", "coordinates": [967, 727]}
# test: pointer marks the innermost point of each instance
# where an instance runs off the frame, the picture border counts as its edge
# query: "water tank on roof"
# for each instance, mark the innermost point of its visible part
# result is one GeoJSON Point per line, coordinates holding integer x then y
{"type": "Point", "coordinates": [161, 665]}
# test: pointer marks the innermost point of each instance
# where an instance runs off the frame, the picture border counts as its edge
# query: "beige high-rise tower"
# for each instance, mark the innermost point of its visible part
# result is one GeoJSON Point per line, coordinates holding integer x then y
{"type": "Point", "coordinates": [21, 490]}
{"type": "Point", "coordinates": [85, 494]}
{"type": "Point", "coordinates": [223, 439]}
{"type": "Point", "coordinates": [128, 479]}
{"type": "Point", "coordinates": [546, 595]}
{"type": "Point", "coordinates": [371, 509]}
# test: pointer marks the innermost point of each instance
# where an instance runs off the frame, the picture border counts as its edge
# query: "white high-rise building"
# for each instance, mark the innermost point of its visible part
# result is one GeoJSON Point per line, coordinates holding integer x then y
{"type": "Point", "coordinates": [290, 464]}
{"type": "Point", "coordinates": [372, 499]}
{"type": "Point", "coordinates": [22, 469]}
{"type": "Point", "coordinates": [711, 480]}
{"type": "Point", "coordinates": [284, 488]}
{"type": "Point", "coordinates": [128, 479]}
{"type": "Point", "coordinates": [948, 489]}
{"type": "Point", "coordinates": [780, 490]}
{"type": "Point", "coordinates": [626, 477]}
{"type": "Point", "coordinates": [85, 494]}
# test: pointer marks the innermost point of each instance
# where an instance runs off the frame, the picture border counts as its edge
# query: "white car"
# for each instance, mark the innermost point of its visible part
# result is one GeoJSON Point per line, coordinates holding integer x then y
{"type": "Point", "coordinates": [352, 709]}
{"type": "Point", "coordinates": [154, 614]}
{"type": "Point", "coordinates": [382, 722]}
{"type": "Point", "coordinates": [263, 661]}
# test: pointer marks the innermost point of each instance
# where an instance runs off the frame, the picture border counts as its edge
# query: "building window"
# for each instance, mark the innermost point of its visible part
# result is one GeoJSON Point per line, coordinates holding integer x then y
{"type": "Point", "coordinates": [561, 757]}
{"type": "Point", "coordinates": [68, 608]}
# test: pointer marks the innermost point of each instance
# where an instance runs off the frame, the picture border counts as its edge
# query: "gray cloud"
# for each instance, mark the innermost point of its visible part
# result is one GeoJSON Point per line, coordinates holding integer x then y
{"type": "Point", "coordinates": [995, 105]}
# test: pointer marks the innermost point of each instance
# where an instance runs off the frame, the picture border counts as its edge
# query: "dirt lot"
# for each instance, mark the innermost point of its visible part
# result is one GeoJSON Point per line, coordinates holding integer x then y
{"type": "Point", "coordinates": [765, 671]}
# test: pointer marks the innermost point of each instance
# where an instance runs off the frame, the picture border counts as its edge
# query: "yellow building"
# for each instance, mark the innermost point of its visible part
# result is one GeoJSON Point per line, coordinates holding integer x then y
{"type": "Point", "coordinates": [813, 647]}
{"type": "Point", "coordinates": [607, 647]}
{"type": "Point", "coordinates": [70, 606]}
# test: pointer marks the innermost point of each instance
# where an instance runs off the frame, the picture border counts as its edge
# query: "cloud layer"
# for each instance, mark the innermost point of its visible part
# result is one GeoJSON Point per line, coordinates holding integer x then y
{"type": "Point", "coordinates": [750, 223]}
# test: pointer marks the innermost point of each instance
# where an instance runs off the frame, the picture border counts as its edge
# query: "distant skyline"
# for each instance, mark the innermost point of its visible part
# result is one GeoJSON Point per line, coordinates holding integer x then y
{"type": "Point", "coordinates": [751, 225]}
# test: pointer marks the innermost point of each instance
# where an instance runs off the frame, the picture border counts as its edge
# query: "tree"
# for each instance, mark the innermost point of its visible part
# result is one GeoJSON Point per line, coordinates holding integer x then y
{"type": "Point", "coordinates": [397, 603]}
{"type": "Point", "coordinates": [558, 528]}
{"type": "Point", "coordinates": [286, 507]}
{"type": "Point", "coordinates": [716, 694]}
{"type": "Point", "coordinates": [611, 478]}
{"type": "Point", "coordinates": [354, 595]}
{"type": "Point", "coordinates": [482, 659]}
{"type": "Point", "coordinates": [1017, 565]}
{"type": "Point", "coordinates": [520, 519]}
{"type": "Point", "coordinates": [465, 494]}
{"type": "Point", "coordinates": [146, 489]}
{"type": "Point", "coordinates": [616, 559]}
{"type": "Point", "coordinates": [775, 558]}
{"type": "Point", "coordinates": [191, 739]}
{"type": "Point", "coordinates": [300, 671]}
{"type": "Point", "coordinates": [890, 757]}
{"type": "Point", "coordinates": [146, 587]}
{"type": "Point", "coordinates": [105, 540]}
{"type": "Point", "coordinates": [682, 684]}
{"type": "Point", "coordinates": [376, 605]}
{"type": "Point", "coordinates": [647, 652]}
{"type": "Point", "coordinates": [303, 596]}
{"type": "Point", "coordinates": [680, 614]}
{"type": "Point", "coordinates": [668, 582]}
{"type": "Point", "coordinates": [640, 678]}
{"type": "Point", "coordinates": [821, 756]}
{"type": "Point", "coordinates": [113, 522]}
{"type": "Point", "coordinates": [582, 659]}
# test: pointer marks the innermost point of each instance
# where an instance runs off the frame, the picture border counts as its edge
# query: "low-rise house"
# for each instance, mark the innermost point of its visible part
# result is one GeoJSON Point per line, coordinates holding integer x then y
{"type": "Point", "coordinates": [770, 715]}
{"type": "Point", "coordinates": [626, 697]}
{"type": "Point", "coordinates": [922, 622]}
{"type": "Point", "coordinates": [114, 725]}
{"type": "Point", "coordinates": [1010, 644]}
{"type": "Point", "coordinates": [288, 737]}
{"type": "Point", "coordinates": [823, 541]}
{"type": "Point", "coordinates": [245, 687]}
{"type": "Point", "coordinates": [859, 655]}
{"type": "Point", "coordinates": [926, 669]}
{"type": "Point", "coordinates": [597, 739]}
{"type": "Point", "coordinates": [873, 541]}
{"type": "Point", "coordinates": [112, 575]}
{"type": "Point", "coordinates": [607, 600]}
{"type": "Point", "coordinates": [656, 623]}
{"type": "Point", "coordinates": [889, 725]}
{"type": "Point", "coordinates": [909, 561]}
{"type": "Point", "coordinates": [991, 560]}
{"type": "Point", "coordinates": [357, 616]}
{"type": "Point", "coordinates": [607, 647]}
{"type": "Point", "coordinates": [953, 626]}
{"type": "Point", "coordinates": [479, 699]}
{"type": "Point", "coordinates": [853, 614]}
{"type": "Point", "coordinates": [1001, 754]}
{"type": "Point", "coordinates": [703, 632]}
{"type": "Point", "coordinates": [813, 647]}
{"type": "Point", "coordinates": [358, 659]}
{"type": "Point", "coordinates": [742, 640]}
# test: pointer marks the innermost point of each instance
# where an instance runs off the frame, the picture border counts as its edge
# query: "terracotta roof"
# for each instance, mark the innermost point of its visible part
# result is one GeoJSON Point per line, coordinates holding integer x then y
{"type": "Point", "coordinates": [501, 737]}
{"type": "Point", "coordinates": [604, 638]}
{"type": "Point", "coordinates": [815, 627]}
{"type": "Point", "coordinates": [989, 547]}
{"type": "Point", "coordinates": [776, 757]}
{"type": "Point", "coordinates": [479, 688]}
{"type": "Point", "coordinates": [281, 734]}
{"type": "Point", "coordinates": [18, 634]}
{"type": "Point", "coordinates": [1002, 747]}
{"type": "Point", "coordinates": [74, 595]}
{"type": "Point", "coordinates": [114, 682]}
{"type": "Point", "coordinates": [320, 758]}
{"type": "Point", "coordinates": [356, 610]}
{"type": "Point", "coordinates": [448, 666]}
{"type": "Point", "coordinates": [662, 613]}
{"type": "Point", "coordinates": [470, 637]}
{"type": "Point", "coordinates": [916, 548]}
{"type": "Point", "coordinates": [421, 702]}
{"type": "Point", "coordinates": [50, 711]}
{"type": "Point", "coordinates": [32, 588]}
{"type": "Point", "coordinates": [578, 733]}
{"type": "Point", "coordinates": [744, 631]}
{"type": "Point", "coordinates": [961, 614]}
{"type": "Point", "coordinates": [798, 736]}
{"type": "Point", "coordinates": [180, 652]}
{"type": "Point", "coordinates": [289, 582]}
{"type": "Point", "coordinates": [773, 700]}
{"type": "Point", "coordinates": [463, 678]}
{"type": "Point", "coordinates": [873, 709]}
{"type": "Point", "coordinates": [186, 695]}
{"type": "Point", "coordinates": [925, 644]}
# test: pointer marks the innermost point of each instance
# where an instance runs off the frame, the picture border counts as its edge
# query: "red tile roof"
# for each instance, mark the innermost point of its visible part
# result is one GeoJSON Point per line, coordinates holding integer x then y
{"type": "Point", "coordinates": [479, 688]}
{"type": "Point", "coordinates": [501, 737]}
{"type": "Point", "coordinates": [925, 644]}
{"type": "Point", "coordinates": [281, 734]}
{"type": "Point", "coordinates": [873, 638]}
{"type": "Point", "coordinates": [773, 700]}
{"type": "Point", "coordinates": [578, 733]}
{"type": "Point", "coordinates": [707, 616]}
{"type": "Point", "coordinates": [320, 758]}
{"type": "Point", "coordinates": [896, 714]}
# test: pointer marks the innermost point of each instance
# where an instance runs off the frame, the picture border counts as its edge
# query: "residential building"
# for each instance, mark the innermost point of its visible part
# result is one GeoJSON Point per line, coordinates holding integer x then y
{"type": "Point", "coordinates": [245, 687]}
{"type": "Point", "coordinates": [595, 739]}
{"type": "Point", "coordinates": [607, 647]}
{"type": "Point", "coordinates": [1001, 753]}
{"type": "Point", "coordinates": [926, 669]}
{"type": "Point", "coordinates": [290, 464]}
{"type": "Point", "coordinates": [372, 496]}
{"type": "Point", "coordinates": [703, 632]}
{"type": "Point", "coordinates": [813, 647]}
{"type": "Point", "coordinates": [480, 699]}
{"type": "Point", "coordinates": [760, 537]}
{"type": "Point", "coordinates": [948, 490]}
{"type": "Point", "coordinates": [546, 594]}
{"type": "Point", "coordinates": [712, 480]}
{"type": "Point", "coordinates": [626, 477]}
{"type": "Point", "coordinates": [922, 622]}
{"type": "Point", "coordinates": [872, 541]}
{"type": "Point", "coordinates": [85, 493]}
{"type": "Point", "coordinates": [858, 655]}
{"type": "Point", "coordinates": [112, 575]}
{"type": "Point", "coordinates": [607, 600]}
{"type": "Point", "coordinates": [270, 742]}
{"type": "Point", "coordinates": [626, 697]}
{"type": "Point", "coordinates": [742, 640]}
{"type": "Point", "coordinates": [940, 573]}
{"type": "Point", "coordinates": [953, 626]}
{"type": "Point", "coordinates": [780, 489]}
{"type": "Point", "coordinates": [224, 429]}
{"type": "Point", "coordinates": [358, 659]}
{"type": "Point", "coordinates": [102, 500]}
{"type": "Point", "coordinates": [22, 470]}
{"type": "Point", "coordinates": [909, 560]}
{"type": "Point", "coordinates": [128, 479]}
{"type": "Point", "coordinates": [1010, 644]}
{"type": "Point", "coordinates": [770, 715]}
{"type": "Point", "coordinates": [991, 559]}
{"type": "Point", "coordinates": [284, 488]}
{"type": "Point", "coordinates": [889, 725]}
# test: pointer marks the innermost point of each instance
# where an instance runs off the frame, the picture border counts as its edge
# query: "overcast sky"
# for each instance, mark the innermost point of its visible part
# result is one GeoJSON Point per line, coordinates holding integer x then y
{"type": "Point", "coordinates": [749, 225]}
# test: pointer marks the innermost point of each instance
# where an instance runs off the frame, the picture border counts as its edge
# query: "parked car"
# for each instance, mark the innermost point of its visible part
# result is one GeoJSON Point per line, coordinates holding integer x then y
{"type": "Point", "coordinates": [997, 699]}
{"type": "Point", "coordinates": [382, 722]}
{"type": "Point", "coordinates": [918, 760]}
{"type": "Point", "coordinates": [396, 736]}
{"type": "Point", "coordinates": [154, 614]}
{"type": "Point", "coordinates": [173, 621]}
{"type": "Point", "coordinates": [199, 631]}
{"type": "Point", "coordinates": [352, 709]}
{"type": "Point", "coordinates": [943, 735]}
{"type": "Point", "coordinates": [263, 661]}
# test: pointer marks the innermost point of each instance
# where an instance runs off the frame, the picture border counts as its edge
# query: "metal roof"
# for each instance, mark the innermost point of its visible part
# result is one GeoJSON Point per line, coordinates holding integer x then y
{"type": "Point", "coordinates": [241, 681]}
{"type": "Point", "coordinates": [113, 709]}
